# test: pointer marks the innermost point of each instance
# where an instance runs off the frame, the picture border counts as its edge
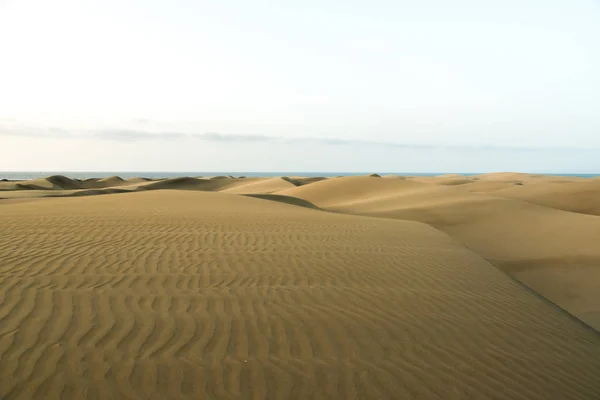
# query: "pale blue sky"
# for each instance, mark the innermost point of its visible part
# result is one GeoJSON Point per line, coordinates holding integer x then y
{"type": "Point", "coordinates": [433, 85]}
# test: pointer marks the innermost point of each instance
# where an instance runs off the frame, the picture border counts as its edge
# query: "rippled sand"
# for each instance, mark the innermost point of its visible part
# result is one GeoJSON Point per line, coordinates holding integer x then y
{"type": "Point", "coordinates": [174, 294]}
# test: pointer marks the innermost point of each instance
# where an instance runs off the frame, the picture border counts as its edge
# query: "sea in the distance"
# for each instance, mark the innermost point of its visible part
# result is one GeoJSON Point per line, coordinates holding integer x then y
{"type": "Point", "coordinates": [24, 175]}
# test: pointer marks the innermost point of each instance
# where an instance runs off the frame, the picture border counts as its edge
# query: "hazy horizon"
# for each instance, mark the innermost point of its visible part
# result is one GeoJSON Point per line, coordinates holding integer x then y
{"type": "Point", "coordinates": [311, 86]}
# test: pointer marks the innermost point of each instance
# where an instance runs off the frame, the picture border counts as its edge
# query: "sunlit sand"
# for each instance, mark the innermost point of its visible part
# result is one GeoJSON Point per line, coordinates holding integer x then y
{"type": "Point", "coordinates": [343, 288]}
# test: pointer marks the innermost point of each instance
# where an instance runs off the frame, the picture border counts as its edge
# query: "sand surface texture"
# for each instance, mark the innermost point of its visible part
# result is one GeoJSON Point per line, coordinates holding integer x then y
{"type": "Point", "coordinates": [554, 250]}
{"type": "Point", "coordinates": [200, 289]}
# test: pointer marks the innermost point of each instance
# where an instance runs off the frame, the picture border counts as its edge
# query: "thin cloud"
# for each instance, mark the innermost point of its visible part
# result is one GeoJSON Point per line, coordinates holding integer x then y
{"type": "Point", "coordinates": [233, 137]}
{"type": "Point", "coordinates": [132, 135]}
{"type": "Point", "coordinates": [11, 128]}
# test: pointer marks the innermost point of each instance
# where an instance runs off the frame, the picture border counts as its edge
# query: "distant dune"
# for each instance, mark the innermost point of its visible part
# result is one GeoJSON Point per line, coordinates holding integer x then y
{"type": "Point", "coordinates": [110, 181]}
{"type": "Point", "coordinates": [301, 181]}
{"type": "Point", "coordinates": [187, 183]}
{"type": "Point", "coordinates": [449, 180]}
{"type": "Point", "coordinates": [360, 287]}
{"type": "Point", "coordinates": [349, 189]}
{"type": "Point", "coordinates": [510, 176]}
{"type": "Point", "coordinates": [258, 186]}
{"type": "Point", "coordinates": [55, 182]}
{"type": "Point", "coordinates": [394, 177]}
{"type": "Point", "coordinates": [489, 186]}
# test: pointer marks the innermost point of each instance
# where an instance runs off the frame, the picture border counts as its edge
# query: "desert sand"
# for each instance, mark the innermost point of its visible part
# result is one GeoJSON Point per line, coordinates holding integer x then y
{"type": "Point", "coordinates": [364, 287]}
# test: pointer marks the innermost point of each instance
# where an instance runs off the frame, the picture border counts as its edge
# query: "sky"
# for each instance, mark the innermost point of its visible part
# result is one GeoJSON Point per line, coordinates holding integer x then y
{"type": "Point", "coordinates": [352, 86]}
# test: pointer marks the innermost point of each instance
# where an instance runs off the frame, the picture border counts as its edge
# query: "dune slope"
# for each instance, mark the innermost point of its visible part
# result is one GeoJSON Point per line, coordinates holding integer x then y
{"type": "Point", "coordinates": [188, 183]}
{"type": "Point", "coordinates": [188, 294]}
{"type": "Point", "coordinates": [349, 189]}
{"type": "Point", "coordinates": [54, 182]}
{"type": "Point", "coordinates": [581, 196]}
{"type": "Point", "coordinates": [554, 252]}
{"type": "Point", "coordinates": [260, 186]}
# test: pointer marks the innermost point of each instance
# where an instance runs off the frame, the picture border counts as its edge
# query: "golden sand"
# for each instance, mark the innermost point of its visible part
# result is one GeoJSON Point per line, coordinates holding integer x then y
{"type": "Point", "coordinates": [273, 288]}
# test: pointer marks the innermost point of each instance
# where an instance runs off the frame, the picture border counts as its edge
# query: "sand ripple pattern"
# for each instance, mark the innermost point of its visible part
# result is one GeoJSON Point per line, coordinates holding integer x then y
{"type": "Point", "coordinates": [194, 295]}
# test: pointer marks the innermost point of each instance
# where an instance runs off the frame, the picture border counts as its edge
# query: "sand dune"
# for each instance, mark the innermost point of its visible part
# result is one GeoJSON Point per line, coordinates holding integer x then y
{"type": "Point", "coordinates": [454, 181]}
{"type": "Point", "coordinates": [260, 186]}
{"type": "Point", "coordinates": [36, 194]}
{"type": "Point", "coordinates": [188, 183]}
{"type": "Point", "coordinates": [138, 179]}
{"type": "Point", "coordinates": [62, 182]}
{"type": "Point", "coordinates": [449, 180]}
{"type": "Point", "coordinates": [95, 186]}
{"type": "Point", "coordinates": [9, 185]}
{"type": "Point", "coordinates": [184, 294]}
{"type": "Point", "coordinates": [55, 182]}
{"type": "Point", "coordinates": [38, 184]}
{"type": "Point", "coordinates": [391, 176]}
{"type": "Point", "coordinates": [349, 190]}
{"type": "Point", "coordinates": [192, 294]}
{"type": "Point", "coordinates": [509, 176]}
{"type": "Point", "coordinates": [578, 196]}
{"type": "Point", "coordinates": [489, 186]}
{"type": "Point", "coordinates": [301, 181]}
{"type": "Point", "coordinates": [110, 181]}
{"type": "Point", "coordinates": [285, 199]}
{"type": "Point", "coordinates": [543, 247]}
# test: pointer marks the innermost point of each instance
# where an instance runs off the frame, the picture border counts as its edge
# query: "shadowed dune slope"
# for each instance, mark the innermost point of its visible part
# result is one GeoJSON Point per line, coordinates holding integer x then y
{"type": "Point", "coordinates": [48, 187]}
{"type": "Point", "coordinates": [88, 192]}
{"type": "Point", "coordinates": [63, 182]}
{"type": "Point", "coordinates": [137, 179]}
{"type": "Point", "coordinates": [284, 199]}
{"type": "Point", "coordinates": [15, 195]}
{"type": "Point", "coordinates": [183, 294]}
{"type": "Point", "coordinates": [301, 181]}
{"type": "Point", "coordinates": [188, 183]}
{"type": "Point", "coordinates": [9, 185]}
{"type": "Point", "coordinates": [55, 182]}
{"type": "Point", "coordinates": [109, 182]}
{"type": "Point", "coordinates": [59, 182]}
